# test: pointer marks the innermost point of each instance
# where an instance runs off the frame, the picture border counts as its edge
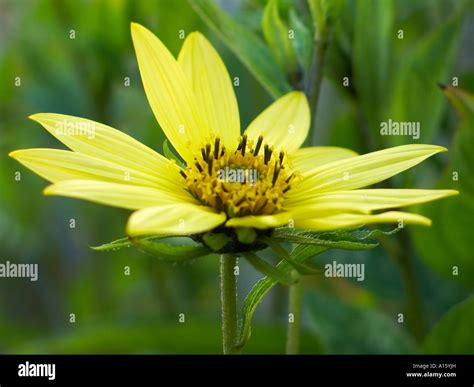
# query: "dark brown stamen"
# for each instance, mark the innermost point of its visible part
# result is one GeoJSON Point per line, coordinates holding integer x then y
{"type": "Point", "coordinates": [239, 147]}
{"type": "Point", "coordinates": [219, 203]}
{"type": "Point", "coordinates": [282, 155]}
{"type": "Point", "coordinates": [208, 151]}
{"type": "Point", "coordinates": [259, 144]}
{"type": "Point", "coordinates": [183, 174]}
{"type": "Point", "coordinates": [288, 179]}
{"type": "Point", "coordinates": [209, 165]}
{"type": "Point", "coordinates": [286, 189]}
{"type": "Point", "coordinates": [216, 148]}
{"type": "Point", "coordinates": [244, 144]}
{"type": "Point", "coordinates": [240, 201]}
{"type": "Point", "coordinates": [203, 153]}
{"type": "Point", "coordinates": [262, 206]}
{"type": "Point", "coordinates": [222, 151]}
{"type": "Point", "coordinates": [198, 166]}
{"type": "Point", "coordinates": [276, 172]}
{"type": "Point", "coordinates": [267, 154]}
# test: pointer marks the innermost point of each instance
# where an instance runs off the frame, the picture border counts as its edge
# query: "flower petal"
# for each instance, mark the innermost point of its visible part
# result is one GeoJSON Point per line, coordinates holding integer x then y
{"type": "Point", "coordinates": [364, 201]}
{"type": "Point", "coordinates": [56, 165]}
{"type": "Point", "coordinates": [169, 93]}
{"type": "Point", "coordinates": [362, 171]}
{"type": "Point", "coordinates": [284, 124]}
{"type": "Point", "coordinates": [105, 143]}
{"type": "Point", "coordinates": [112, 194]}
{"type": "Point", "coordinates": [212, 87]}
{"type": "Point", "coordinates": [260, 221]}
{"type": "Point", "coordinates": [305, 159]}
{"type": "Point", "coordinates": [341, 221]}
{"type": "Point", "coordinates": [174, 219]}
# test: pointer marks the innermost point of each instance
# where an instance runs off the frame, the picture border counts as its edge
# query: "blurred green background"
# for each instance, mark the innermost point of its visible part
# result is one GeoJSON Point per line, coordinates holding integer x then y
{"type": "Point", "coordinates": [44, 69]}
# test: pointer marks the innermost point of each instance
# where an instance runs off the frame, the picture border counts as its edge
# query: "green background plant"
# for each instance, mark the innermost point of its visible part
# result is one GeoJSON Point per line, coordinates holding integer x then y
{"type": "Point", "coordinates": [388, 78]}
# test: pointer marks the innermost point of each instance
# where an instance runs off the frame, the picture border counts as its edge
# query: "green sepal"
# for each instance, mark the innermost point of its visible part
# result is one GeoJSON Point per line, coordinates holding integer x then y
{"type": "Point", "coordinates": [170, 252]}
{"type": "Point", "coordinates": [246, 235]}
{"type": "Point", "coordinates": [346, 240]}
{"type": "Point", "coordinates": [215, 242]}
{"type": "Point", "coordinates": [114, 245]}
{"type": "Point", "coordinates": [165, 249]}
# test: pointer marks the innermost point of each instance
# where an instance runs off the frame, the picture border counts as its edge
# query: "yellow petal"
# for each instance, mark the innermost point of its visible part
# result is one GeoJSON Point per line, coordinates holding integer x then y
{"type": "Point", "coordinates": [365, 201]}
{"type": "Point", "coordinates": [361, 171]}
{"type": "Point", "coordinates": [305, 159]}
{"type": "Point", "coordinates": [341, 221]}
{"type": "Point", "coordinates": [212, 87]}
{"type": "Point", "coordinates": [112, 194]}
{"type": "Point", "coordinates": [169, 94]}
{"type": "Point", "coordinates": [174, 219]}
{"type": "Point", "coordinates": [260, 221]}
{"type": "Point", "coordinates": [105, 143]}
{"type": "Point", "coordinates": [56, 165]}
{"type": "Point", "coordinates": [284, 124]}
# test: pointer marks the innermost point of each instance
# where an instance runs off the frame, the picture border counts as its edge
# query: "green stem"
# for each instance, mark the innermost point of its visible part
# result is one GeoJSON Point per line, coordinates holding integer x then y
{"type": "Point", "coordinates": [295, 303]}
{"type": "Point", "coordinates": [400, 253]}
{"type": "Point", "coordinates": [294, 317]}
{"type": "Point", "coordinates": [229, 303]}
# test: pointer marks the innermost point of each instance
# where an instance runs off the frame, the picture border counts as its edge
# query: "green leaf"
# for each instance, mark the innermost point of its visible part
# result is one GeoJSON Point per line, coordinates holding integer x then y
{"type": "Point", "coordinates": [416, 96]}
{"type": "Point", "coordinates": [317, 9]}
{"type": "Point", "coordinates": [453, 334]}
{"type": "Point", "coordinates": [358, 240]}
{"type": "Point", "coordinates": [447, 245]}
{"type": "Point", "coordinates": [355, 329]}
{"type": "Point", "coordinates": [325, 13]}
{"type": "Point", "coordinates": [169, 154]}
{"type": "Point", "coordinates": [169, 252]}
{"type": "Point", "coordinates": [303, 41]}
{"type": "Point", "coordinates": [462, 100]}
{"type": "Point", "coordinates": [113, 246]}
{"type": "Point", "coordinates": [373, 35]}
{"type": "Point", "coordinates": [247, 46]}
{"type": "Point", "coordinates": [310, 238]}
{"type": "Point", "coordinates": [276, 34]}
{"type": "Point", "coordinates": [145, 337]}
{"type": "Point", "coordinates": [215, 241]}
{"type": "Point", "coordinates": [300, 254]}
{"type": "Point", "coordinates": [270, 271]}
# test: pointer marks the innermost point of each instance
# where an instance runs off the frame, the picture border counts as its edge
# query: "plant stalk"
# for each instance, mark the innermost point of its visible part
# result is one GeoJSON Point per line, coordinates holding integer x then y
{"type": "Point", "coordinates": [294, 316]}
{"type": "Point", "coordinates": [400, 253]}
{"type": "Point", "coordinates": [229, 303]}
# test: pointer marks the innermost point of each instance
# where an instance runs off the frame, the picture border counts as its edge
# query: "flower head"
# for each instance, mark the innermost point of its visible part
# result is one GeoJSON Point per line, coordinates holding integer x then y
{"type": "Point", "coordinates": [261, 179]}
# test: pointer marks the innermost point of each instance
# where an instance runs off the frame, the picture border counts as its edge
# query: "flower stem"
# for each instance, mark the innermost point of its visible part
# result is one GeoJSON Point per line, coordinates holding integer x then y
{"type": "Point", "coordinates": [229, 303]}
{"type": "Point", "coordinates": [294, 316]}
{"type": "Point", "coordinates": [400, 253]}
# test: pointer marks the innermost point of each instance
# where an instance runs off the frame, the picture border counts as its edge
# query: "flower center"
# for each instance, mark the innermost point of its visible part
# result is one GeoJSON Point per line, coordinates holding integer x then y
{"type": "Point", "coordinates": [246, 181]}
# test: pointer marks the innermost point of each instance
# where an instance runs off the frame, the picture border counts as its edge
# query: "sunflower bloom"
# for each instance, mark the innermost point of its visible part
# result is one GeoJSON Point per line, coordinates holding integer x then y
{"type": "Point", "coordinates": [192, 98]}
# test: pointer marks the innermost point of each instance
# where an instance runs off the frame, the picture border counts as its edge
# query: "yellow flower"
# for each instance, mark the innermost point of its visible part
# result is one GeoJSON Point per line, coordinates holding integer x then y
{"type": "Point", "coordinates": [317, 188]}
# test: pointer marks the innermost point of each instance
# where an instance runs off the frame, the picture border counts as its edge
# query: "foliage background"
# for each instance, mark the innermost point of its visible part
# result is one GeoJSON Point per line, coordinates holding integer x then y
{"type": "Point", "coordinates": [389, 78]}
